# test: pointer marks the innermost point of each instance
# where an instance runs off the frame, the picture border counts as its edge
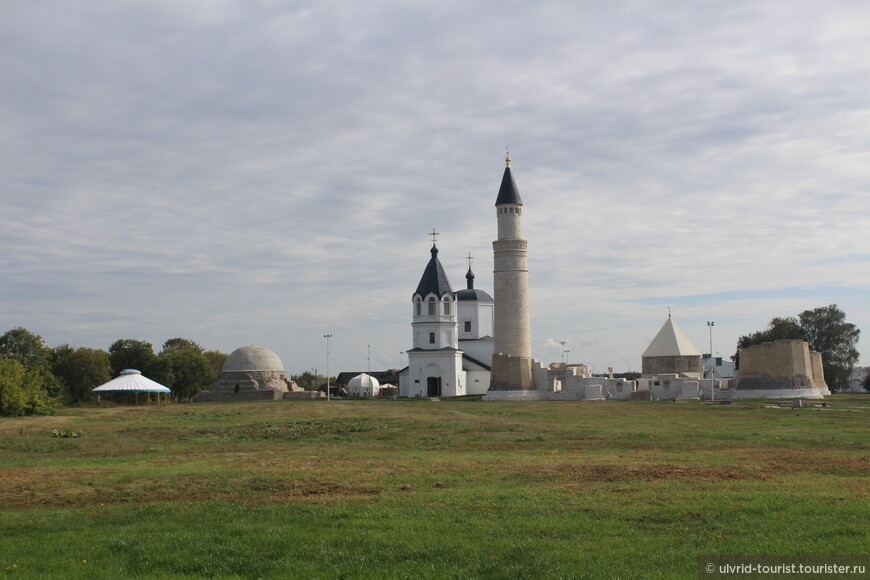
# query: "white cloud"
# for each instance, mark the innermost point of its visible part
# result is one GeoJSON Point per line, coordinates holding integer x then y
{"type": "Point", "coordinates": [251, 173]}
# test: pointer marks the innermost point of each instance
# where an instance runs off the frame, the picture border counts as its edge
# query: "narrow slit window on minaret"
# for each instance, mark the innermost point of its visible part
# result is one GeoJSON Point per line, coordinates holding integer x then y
{"type": "Point", "coordinates": [431, 338]}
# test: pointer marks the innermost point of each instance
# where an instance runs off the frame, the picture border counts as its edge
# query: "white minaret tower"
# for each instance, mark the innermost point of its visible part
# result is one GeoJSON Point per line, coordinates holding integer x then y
{"type": "Point", "coordinates": [512, 354]}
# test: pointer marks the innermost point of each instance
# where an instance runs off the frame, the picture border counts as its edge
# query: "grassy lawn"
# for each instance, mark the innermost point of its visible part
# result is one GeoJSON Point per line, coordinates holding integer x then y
{"type": "Point", "coordinates": [423, 489]}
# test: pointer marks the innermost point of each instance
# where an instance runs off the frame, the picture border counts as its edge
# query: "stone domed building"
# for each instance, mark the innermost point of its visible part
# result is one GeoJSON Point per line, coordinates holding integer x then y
{"type": "Point", "coordinates": [250, 373]}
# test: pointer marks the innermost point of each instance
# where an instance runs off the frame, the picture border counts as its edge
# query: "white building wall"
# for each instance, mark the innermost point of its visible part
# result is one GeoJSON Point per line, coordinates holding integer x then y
{"type": "Point", "coordinates": [443, 365]}
{"type": "Point", "coordinates": [476, 382]}
{"type": "Point", "coordinates": [478, 349]}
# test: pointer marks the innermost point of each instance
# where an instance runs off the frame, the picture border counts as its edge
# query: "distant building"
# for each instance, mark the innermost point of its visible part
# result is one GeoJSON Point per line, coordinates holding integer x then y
{"type": "Point", "coordinates": [671, 352]}
{"type": "Point", "coordinates": [716, 367]}
{"type": "Point", "coordinates": [451, 334]}
{"type": "Point", "coordinates": [342, 381]}
{"type": "Point", "coordinates": [252, 373]}
{"type": "Point", "coordinates": [856, 381]}
{"type": "Point", "coordinates": [363, 385]}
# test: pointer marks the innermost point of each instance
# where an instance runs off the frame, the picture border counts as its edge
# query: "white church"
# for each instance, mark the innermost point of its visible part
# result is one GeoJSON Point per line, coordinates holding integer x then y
{"type": "Point", "coordinates": [452, 337]}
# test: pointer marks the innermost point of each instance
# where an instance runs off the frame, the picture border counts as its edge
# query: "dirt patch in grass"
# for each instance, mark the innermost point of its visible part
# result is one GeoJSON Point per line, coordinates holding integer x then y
{"type": "Point", "coordinates": [27, 487]}
{"type": "Point", "coordinates": [783, 461]}
{"type": "Point", "coordinates": [570, 473]}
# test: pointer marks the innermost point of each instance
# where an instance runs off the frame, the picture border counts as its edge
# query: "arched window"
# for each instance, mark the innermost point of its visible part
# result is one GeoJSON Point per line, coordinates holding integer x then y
{"type": "Point", "coordinates": [447, 307]}
{"type": "Point", "coordinates": [431, 306]}
{"type": "Point", "coordinates": [418, 307]}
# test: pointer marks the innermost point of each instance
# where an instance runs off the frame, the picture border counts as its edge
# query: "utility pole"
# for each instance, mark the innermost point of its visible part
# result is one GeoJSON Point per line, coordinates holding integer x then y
{"type": "Point", "coordinates": [710, 325]}
{"type": "Point", "coordinates": [327, 337]}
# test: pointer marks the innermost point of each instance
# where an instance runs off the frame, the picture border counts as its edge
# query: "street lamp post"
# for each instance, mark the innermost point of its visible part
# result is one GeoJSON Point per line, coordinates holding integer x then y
{"type": "Point", "coordinates": [327, 337]}
{"type": "Point", "coordinates": [710, 325]}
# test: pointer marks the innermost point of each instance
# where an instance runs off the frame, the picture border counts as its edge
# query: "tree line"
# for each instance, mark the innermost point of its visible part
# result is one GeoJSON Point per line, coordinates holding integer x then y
{"type": "Point", "coordinates": [35, 379]}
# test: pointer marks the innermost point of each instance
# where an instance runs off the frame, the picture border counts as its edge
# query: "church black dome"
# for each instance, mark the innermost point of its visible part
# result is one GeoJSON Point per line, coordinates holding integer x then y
{"type": "Point", "coordinates": [473, 294]}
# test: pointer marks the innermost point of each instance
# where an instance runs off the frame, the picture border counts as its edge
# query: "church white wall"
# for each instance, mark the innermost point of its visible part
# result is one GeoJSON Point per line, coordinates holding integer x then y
{"type": "Point", "coordinates": [446, 365]}
{"type": "Point", "coordinates": [476, 382]}
{"type": "Point", "coordinates": [485, 318]}
{"type": "Point", "coordinates": [480, 314]}
{"type": "Point", "coordinates": [478, 349]}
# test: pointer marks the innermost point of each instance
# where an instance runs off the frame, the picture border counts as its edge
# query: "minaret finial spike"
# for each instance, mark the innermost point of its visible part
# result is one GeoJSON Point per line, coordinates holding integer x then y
{"type": "Point", "coordinates": [669, 311]}
{"type": "Point", "coordinates": [507, 157]}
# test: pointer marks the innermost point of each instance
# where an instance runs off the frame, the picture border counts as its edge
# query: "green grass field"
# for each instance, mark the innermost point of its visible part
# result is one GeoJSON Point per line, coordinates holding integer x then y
{"type": "Point", "coordinates": [424, 489]}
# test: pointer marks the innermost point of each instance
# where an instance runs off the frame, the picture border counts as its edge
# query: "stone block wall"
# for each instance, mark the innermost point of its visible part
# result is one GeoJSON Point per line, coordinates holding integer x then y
{"type": "Point", "coordinates": [511, 373]}
{"type": "Point", "coordinates": [818, 370]}
{"type": "Point", "coordinates": [245, 381]}
{"type": "Point", "coordinates": [660, 365]}
{"type": "Point", "coordinates": [224, 396]}
{"type": "Point", "coordinates": [782, 358]}
{"type": "Point", "coordinates": [780, 365]}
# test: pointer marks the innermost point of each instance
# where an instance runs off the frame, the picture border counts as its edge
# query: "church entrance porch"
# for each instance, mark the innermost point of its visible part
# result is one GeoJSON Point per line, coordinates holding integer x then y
{"type": "Point", "coordinates": [433, 386]}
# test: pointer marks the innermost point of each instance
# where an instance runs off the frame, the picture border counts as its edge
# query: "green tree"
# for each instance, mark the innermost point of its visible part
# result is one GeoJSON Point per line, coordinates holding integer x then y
{"type": "Point", "coordinates": [128, 353]}
{"type": "Point", "coordinates": [216, 360]}
{"type": "Point", "coordinates": [176, 344]}
{"type": "Point", "coordinates": [23, 391]}
{"type": "Point", "coordinates": [190, 373]}
{"type": "Point", "coordinates": [29, 351]}
{"type": "Point", "coordinates": [308, 380]}
{"type": "Point", "coordinates": [80, 370]}
{"type": "Point", "coordinates": [27, 348]}
{"type": "Point", "coordinates": [828, 332]}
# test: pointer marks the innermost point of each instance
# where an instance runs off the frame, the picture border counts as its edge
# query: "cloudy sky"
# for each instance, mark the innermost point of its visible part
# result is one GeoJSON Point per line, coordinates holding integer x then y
{"type": "Point", "coordinates": [241, 172]}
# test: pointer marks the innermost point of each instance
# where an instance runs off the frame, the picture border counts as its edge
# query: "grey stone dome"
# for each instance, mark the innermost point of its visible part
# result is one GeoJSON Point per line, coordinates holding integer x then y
{"type": "Point", "coordinates": [253, 358]}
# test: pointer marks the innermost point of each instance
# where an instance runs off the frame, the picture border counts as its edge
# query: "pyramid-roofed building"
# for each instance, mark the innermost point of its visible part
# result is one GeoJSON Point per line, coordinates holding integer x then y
{"type": "Point", "coordinates": [671, 352]}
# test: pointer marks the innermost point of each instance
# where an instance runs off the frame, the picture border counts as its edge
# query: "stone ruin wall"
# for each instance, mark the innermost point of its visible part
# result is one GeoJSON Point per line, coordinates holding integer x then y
{"type": "Point", "coordinates": [252, 381]}
{"type": "Point", "coordinates": [671, 365]}
{"type": "Point", "coordinates": [784, 366]}
{"type": "Point", "coordinates": [249, 386]}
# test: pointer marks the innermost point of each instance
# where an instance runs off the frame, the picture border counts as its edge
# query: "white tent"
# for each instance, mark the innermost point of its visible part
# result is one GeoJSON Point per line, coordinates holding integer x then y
{"type": "Point", "coordinates": [363, 385]}
{"type": "Point", "coordinates": [132, 381]}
